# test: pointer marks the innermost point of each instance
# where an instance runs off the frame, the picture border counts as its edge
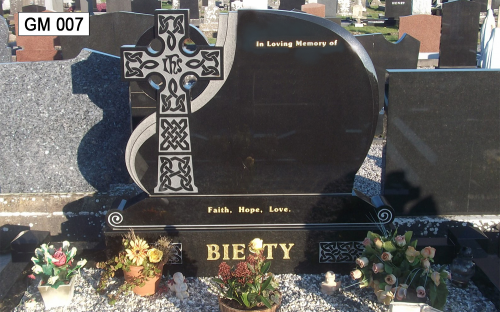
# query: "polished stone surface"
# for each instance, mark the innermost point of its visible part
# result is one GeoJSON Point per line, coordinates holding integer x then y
{"type": "Point", "coordinates": [289, 5]}
{"type": "Point", "coordinates": [386, 55]}
{"type": "Point", "coordinates": [117, 6]}
{"type": "Point", "coordinates": [257, 140]}
{"type": "Point", "coordinates": [459, 34]}
{"type": "Point", "coordinates": [192, 5]}
{"type": "Point", "coordinates": [106, 33]}
{"type": "Point", "coordinates": [443, 144]}
{"type": "Point", "coordinates": [396, 8]}
{"type": "Point", "coordinates": [145, 6]}
{"type": "Point", "coordinates": [424, 28]}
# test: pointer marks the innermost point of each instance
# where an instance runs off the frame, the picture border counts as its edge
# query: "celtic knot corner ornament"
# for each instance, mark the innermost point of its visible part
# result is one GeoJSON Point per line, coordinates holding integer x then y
{"type": "Point", "coordinates": [173, 64]}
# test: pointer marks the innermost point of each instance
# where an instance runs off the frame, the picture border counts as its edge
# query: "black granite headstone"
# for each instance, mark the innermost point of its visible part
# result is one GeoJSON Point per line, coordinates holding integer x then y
{"type": "Point", "coordinates": [386, 55]}
{"type": "Point", "coordinates": [204, 3]}
{"type": "Point", "coordinates": [459, 34]}
{"type": "Point", "coordinates": [106, 33]}
{"type": "Point", "coordinates": [443, 147]}
{"type": "Point", "coordinates": [269, 137]}
{"type": "Point", "coordinates": [396, 8]}
{"type": "Point", "coordinates": [192, 6]}
{"type": "Point", "coordinates": [484, 4]}
{"type": "Point", "coordinates": [24, 245]}
{"type": "Point", "coordinates": [289, 5]}
{"type": "Point", "coordinates": [33, 8]}
{"type": "Point", "coordinates": [145, 6]}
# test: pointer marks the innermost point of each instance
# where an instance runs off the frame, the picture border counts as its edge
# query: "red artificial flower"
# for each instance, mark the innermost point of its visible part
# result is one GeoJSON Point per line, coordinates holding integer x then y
{"type": "Point", "coordinates": [59, 258]}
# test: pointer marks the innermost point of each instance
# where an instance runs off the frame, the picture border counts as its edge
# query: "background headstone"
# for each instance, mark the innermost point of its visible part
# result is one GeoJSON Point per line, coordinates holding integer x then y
{"type": "Point", "coordinates": [330, 7]}
{"type": "Point", "coordinates": [36, 48]}
{"type": "Point", "coordinates": [442, 152]}
{"type": "Point", "coordinates": [386, 55]}
{"type": "Point", "coordinates": [396, 8]}
{"type": "Point", "coordinates": [424, 28]}
{"type": "Point", "coordinates": [106, 33]}
{"type": "Point", "coordinates": [314, 9]}
{"type": "Point", "coordinates": [459, 34]}
{"type": "Point", "coordinates": [145, 6]}
{"type": "Point", "coordinates": [5, 50]}
{"type": "Point", "coordinates": [83, 5]}
{"type": "Point", "coordinates": [289, 5]}
{"type": "Point", "coordinates": [421, 7]}
{"type": "Point", "coordinates": [54, 5]}
{"type": "Point", "coordinates": [344, 7]}
{"type": "Point", "coordinates": [65, 125]}
{"type": "Point", "coordinates": [211, 18]}
{"type": "Point", "coordinates": [33, 8]}
{"type": "Point", "coordinates": [118, 5]}
{"type": "Point", "coordinates": [192, 5]}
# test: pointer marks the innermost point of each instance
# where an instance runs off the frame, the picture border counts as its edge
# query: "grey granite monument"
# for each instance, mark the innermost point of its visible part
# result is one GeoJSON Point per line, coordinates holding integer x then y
{"type": "Point", "coordinates": [65, 125]}
{"type": "Point", "coordinates": [5, 51]}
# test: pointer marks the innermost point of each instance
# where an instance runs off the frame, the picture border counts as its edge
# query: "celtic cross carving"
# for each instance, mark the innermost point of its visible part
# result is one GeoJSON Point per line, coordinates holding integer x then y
{"type": "Point", "coordinates": [174, 65]}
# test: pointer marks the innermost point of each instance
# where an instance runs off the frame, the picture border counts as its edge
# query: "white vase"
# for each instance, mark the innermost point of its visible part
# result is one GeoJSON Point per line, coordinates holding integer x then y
{"type": "Point", "coordinates": [59, 297]}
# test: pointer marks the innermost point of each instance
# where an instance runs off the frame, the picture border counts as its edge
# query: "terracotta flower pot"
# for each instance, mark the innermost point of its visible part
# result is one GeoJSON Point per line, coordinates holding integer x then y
{"type": "Point", "coordinates": [59, 297]}
{"type": "Point", "coordinates": [226, 305]}
{"type": "Point", "coordinates": [151, 284]}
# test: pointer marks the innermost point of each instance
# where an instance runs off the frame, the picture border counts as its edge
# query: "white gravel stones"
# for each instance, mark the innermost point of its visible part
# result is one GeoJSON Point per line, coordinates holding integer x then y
{"type": "Point", "coordinates": [301, 293]}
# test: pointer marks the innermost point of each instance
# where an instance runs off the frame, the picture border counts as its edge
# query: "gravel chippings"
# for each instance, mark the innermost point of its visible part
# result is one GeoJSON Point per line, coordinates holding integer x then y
{"type": "Point", "coordinates": [300, 293]}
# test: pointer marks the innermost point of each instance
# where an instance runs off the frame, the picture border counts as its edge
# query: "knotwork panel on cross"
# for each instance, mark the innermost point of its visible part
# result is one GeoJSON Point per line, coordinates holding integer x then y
{"type": "Point", "coordinates": [174, 135]}
{"type": "Point", "coordinates": [175, 174]}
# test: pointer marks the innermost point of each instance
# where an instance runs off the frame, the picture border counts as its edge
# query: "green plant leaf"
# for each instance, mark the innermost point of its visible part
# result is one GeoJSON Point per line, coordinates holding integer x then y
{"type": "Point", "coordinates": [372, 235]}
{"type": "Point", "coordinates": [369, 251]}
{"type": "Point", "coordinates": [266, 283]}
{"type": "Point", "coordinates": [264, 301]}
{"type": "Point", "coordinates": [387, 268]}
{"type": "Point", "coordinates": [265, 267]}
{"type": "Point", "coordinates": [389, 246]}
{"type": "Point", "coordinates": [47, 269]}
{"type": "Point", "coordinates": [244, 298]}
{"type": "Point", "coordinates": [408, 236]}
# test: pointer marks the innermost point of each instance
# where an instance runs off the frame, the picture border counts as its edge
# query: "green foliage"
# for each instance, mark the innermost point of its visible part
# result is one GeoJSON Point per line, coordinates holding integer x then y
{"type": "Point", "coordinates": [54, 266]}
{"type": "Point", "coordinates": [123, 262]}
{"type": "Point", "coordinates": [249, 283]}
{"type": "Point", "coordinates": [409, 267]}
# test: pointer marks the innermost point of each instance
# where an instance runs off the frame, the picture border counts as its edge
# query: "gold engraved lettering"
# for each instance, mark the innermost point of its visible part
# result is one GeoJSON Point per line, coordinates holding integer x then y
{"type": "Point", "coordinates": [226, 252]}
{"type": "Point", "coordinates": [270, 250]}
{"type": "Point", "coordinates": [243, 209]}
{"type": "Point", "coordinates": [213, 252]}
{"type": "Point", "coordinates": [278, 209]}
{"type": "Point", "coordinates": [286, 251]}
{"type": "Point", "coordinates": [238, 249]}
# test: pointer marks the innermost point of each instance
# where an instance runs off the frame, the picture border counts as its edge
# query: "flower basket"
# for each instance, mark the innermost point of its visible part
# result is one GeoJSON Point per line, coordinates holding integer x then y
{"type": "Point", "coordinates": [150, 284]}
{"type": "Point", "coordinates": [57, 297]}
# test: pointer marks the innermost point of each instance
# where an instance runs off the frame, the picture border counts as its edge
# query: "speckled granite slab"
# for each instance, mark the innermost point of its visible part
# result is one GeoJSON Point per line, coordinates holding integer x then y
{"type": "Point", "coordinates": [5, 51]}
{"type": "Point", "coordinates": [64, 125]}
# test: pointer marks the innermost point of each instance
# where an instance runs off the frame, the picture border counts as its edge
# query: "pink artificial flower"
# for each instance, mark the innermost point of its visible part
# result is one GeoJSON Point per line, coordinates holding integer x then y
{"type": "Point", "coordinates": [420, 292]}
{"type": "Point", "coordinates": [367, 242]}
{"type": "Point", "coordinates": [378, 243]}
{"type": "Point", "coordinates": [436, 277]}
{"type": "Point", "coordinates": [386, 256]}
{"type": "Point", "coordinates": [362, 262]}
{"type": "Point", "coordinates": [426, 264]}
{"type": "Point", "coordinates": [378, 268]}
{"type": "Point", "coordinates": [400, 240]}
{"type": "Point", "coordinates": [31, 276]}
{"type": "Point", "coordinates": [401, 292]}
{"type": "Point", "coordinates": [428, 252]}
{"type": "Point", "coordinates": [356, 274]}
{"type": "Point", "coordinates": [390, 279]}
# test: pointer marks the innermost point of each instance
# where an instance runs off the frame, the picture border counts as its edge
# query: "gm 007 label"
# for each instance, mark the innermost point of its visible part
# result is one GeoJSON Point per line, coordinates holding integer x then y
{"type": "Point", "coordinates": [53, 24]}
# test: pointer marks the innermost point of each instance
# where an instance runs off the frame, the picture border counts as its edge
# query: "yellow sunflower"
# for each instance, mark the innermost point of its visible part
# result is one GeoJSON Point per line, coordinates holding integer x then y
{"type": "Point", "coordinates": [138, 251]}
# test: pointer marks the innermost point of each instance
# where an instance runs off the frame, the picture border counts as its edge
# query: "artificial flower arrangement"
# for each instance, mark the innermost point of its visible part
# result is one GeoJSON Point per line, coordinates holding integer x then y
{"type": "Point", "coordinates": [138, 253]}
{"type": "Point", "coordinates": [56, 267]}
{"type": "Point", "coordinates": [249, 285]}
{"type": "Point", "coordinates": [390, 264]}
